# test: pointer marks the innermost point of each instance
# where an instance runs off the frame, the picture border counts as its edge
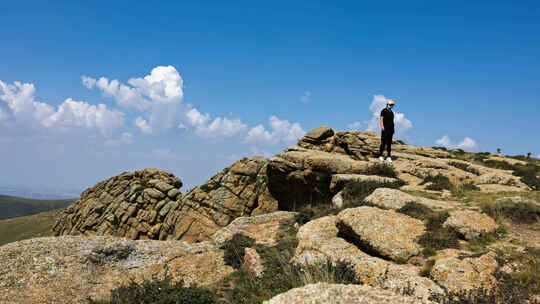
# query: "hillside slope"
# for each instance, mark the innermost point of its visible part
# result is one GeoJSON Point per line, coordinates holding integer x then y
{"type": "Point", "coordinates": [12, 206]}
{"type": "Point", "coordinates": [27, 227]}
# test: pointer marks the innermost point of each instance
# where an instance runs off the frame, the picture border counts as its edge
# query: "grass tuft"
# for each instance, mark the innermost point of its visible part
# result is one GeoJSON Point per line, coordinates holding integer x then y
{"type": "Point", "coordinates": [159, 292]}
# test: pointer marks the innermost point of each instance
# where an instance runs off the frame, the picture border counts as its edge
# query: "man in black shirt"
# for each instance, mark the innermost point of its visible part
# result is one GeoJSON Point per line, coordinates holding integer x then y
{"type": "Point", "coordinates": [387, 128]}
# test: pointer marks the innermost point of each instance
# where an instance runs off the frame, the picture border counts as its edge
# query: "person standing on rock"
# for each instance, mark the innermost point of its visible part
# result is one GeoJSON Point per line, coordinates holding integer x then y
{"type": "Point", "coordinates": [387, 130]}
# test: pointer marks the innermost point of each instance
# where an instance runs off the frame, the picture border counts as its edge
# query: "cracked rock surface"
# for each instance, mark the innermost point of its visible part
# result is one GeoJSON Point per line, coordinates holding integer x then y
{"type": "Point", "coordinates": [342, 294]}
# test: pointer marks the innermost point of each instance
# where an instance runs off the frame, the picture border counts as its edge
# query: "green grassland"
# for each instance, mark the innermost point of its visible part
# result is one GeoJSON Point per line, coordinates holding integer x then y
{"type": "Point", "coordinates": [27, 227]}
{"type": "Point", "coordinates": [12, 206]}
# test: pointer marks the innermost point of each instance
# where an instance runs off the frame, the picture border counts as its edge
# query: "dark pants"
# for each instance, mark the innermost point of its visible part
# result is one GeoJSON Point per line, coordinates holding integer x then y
{"type": "Point", "coordinates": [386, 140]}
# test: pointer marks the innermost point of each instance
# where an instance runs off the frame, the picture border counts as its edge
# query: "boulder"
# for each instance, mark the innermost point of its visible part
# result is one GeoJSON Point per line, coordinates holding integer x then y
{"type": "Point", "coordinates": [126, 205]}
{"type": "Point", "coordinates": [342, 294]}
{"type": "Point", "coordinates": [381, 232]}
{"type": "Point", "coordinates": [388, 198]}
{"type": "Point", "coordinates": [462, 272]}
{"type": "Point", "coordinates": [265, 229]}
{"type": "Point", "coordinates": [319, 242]}
{"type": "Point", "coordinates": [470, 223]}
{"type": "Point", "coordinates": [237, 191]}
{"type": "Point", "coordinates": [69, 269]}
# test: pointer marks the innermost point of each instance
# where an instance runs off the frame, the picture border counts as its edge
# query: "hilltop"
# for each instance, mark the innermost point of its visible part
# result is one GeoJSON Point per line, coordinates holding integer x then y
{"type": "Point", "coordinates": [435, 226]}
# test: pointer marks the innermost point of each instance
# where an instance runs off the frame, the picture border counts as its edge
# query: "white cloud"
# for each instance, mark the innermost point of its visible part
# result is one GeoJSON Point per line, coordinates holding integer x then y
{"type": "Point", "coordinates": [163, 85]}
{"type": "Point", "coordinates": [143, 125]}
{"type": "Point", "coordinates": [466, 144]}
{"type": "Point", "coordinates": [355, 126]}
{"type": "Point", "coordinates": [3, 115]}
{"type": "Point", "coordinates": [282, 131]}
{"type": "Point", "coordinates": [538, 155]}
{"type": "Point", "coordinates": [306, 97]}
{"type": "Point", "coordinates": [19, 98]}
{"type": "Point", "coordinates": [219, 127]}
{"type": "Point", "coordinates": [444, 141]}
{"type": "Point", "coordinates": [401, 123]}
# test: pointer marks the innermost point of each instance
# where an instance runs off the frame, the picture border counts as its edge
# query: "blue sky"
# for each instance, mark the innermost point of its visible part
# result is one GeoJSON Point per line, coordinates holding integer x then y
{"type": "Point", "coordinates": [461, 74]}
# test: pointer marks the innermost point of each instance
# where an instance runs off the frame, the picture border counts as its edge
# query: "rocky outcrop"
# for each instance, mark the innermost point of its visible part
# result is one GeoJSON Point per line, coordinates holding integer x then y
{"type": "Point", "coordinates": [131, 205]}
{"type": "Point", "coordinates": [319, 241]}
{"type": "Point", "coordinates": [264, 229]}
{"type": "Point", "coordinates": [462, 272]}
{"type": "Point", "coordinates": [393, 199]}
{"type": "Point", "coordinates": [342, 294]}
{"type": "Point", "coordinates": [239, 190]}
{"type": "Point", "coordinates": [69, 269]}
{"type": "Point", "coordinates": [147, 204]}
{"type": "Point", "coordinates": [380, 232]}
{"type": "Point", "coordinates": [470, 224]}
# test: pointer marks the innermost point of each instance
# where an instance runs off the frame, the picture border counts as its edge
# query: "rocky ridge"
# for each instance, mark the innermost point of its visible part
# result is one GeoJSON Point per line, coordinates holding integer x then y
{"type": "Point", "coordinates": [380, 243]}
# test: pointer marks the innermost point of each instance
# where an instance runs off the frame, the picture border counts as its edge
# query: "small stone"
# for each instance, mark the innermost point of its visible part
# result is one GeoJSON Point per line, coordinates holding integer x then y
{"type": "Point", "coordinates": [337, 200]}
{"type": "Point", "coordinates": [253, 262]}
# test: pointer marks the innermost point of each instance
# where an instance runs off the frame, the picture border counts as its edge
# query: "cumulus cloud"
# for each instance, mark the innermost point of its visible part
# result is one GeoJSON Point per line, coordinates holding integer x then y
{"type": "Point", "coordinates": [402, 124]}
{"type": "Point", "coordinates": [466, 144]}
{"type": "Point", "coordinates": [306, 97]}
{"type": "Point", "coordinates": [219, 127]}
{"type": "Point", "coordinates": [163, 85]}
{"type": "Point", "coordinates": [143, 125]}
{"type": "Point", "coordinates": [157, 96]}
{"type": "Point", "coordinates": [19, 98]}
{"type": "Point", "coordinates": [282, 131]}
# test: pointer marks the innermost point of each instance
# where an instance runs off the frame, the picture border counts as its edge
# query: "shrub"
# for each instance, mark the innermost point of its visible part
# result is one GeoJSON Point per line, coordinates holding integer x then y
{"type": "Point", "coordinates": [440, 148]}
{"type": "Point", "coordinates": [524, 212]}
{"type": "Point", "coordinates": [528, 175]}
{"type": "Point", "coordinates": [498, 164]}
{"type": "Point", "coordinates": [438, 237]}
{"type": "Point", "coordinates": [438, 182]}
{"type": "Point", "coordinates": [413, 209]}
{"type": "Point", "coordinates": [234, 249]}
{"type": "Point", "coordinates": [426, 270]}
{"type": "Point", "coordinates": [159, 292]}
{"type": "Point", "coordinates": [280, 275]}
{"type": "Point", "coordinates": [382, 169]}
{"type": "Point", "coordinates": [358, 191]}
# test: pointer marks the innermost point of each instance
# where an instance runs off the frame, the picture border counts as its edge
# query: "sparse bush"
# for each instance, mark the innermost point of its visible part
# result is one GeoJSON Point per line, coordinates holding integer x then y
{"type": "Point", "coordinates": [382, 169]}
{"type": "Point", "coordinates": [438, 182]}
{"type": "Point", "coordinates": [528, 175]}
{"type": "Point", "coordinates": [280, 275]}
{"type": "Point", "coordinates": [358, 191]}
{"type": "Point", "coordinates": [440, 148]}
{"type": "Point", "coordinates": [524, 212]}
{"type": "Point", "coordinates": [234, 249]}
{"type": "Point", "coordinates": [159, 292]}
{"type": "Point", "coordinates": [426, 270]}
{"type": "Point", "coordinates": [413, 209]}
{"type": "Point", "coordinates": [438, 237]}
{"type": "Point", "coordinates": [498, 164]}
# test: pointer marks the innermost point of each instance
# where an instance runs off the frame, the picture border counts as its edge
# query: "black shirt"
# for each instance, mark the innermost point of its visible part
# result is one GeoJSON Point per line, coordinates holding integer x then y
{"type": "Point", "coordinates": [388, 119]}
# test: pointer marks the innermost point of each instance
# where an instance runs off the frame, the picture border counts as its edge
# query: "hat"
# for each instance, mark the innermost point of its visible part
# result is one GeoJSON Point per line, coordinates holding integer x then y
{"type": "Point", "coordinates": [390, 102]}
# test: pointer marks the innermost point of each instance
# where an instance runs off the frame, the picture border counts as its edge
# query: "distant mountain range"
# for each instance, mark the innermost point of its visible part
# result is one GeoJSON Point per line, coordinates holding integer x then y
{"type": "Point", "coordinates": [38, 193]}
